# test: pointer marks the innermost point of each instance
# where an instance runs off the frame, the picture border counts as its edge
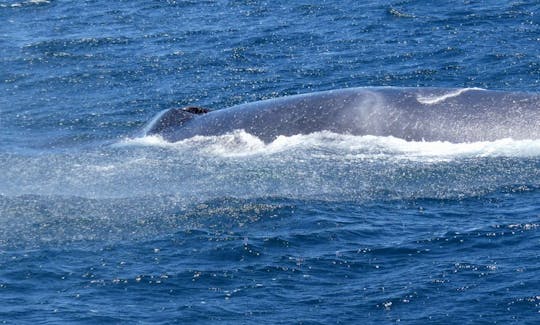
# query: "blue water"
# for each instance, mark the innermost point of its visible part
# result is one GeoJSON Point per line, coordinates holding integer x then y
{"type": "Point", "coordinates": [99, 226]}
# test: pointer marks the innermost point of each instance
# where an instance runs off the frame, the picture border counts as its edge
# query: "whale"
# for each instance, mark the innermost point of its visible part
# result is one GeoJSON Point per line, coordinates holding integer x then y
{"type": "Point", "coordinates": [414, 114]}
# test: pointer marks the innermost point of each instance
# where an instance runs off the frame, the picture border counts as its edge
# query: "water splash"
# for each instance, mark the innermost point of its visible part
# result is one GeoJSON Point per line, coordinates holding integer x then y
{"type": "Point", "coordinates": [242, 144]}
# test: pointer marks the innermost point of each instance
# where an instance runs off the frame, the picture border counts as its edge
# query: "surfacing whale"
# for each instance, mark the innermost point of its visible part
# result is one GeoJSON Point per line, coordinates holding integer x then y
{"type": "Point", "coordinates": [412, 114]}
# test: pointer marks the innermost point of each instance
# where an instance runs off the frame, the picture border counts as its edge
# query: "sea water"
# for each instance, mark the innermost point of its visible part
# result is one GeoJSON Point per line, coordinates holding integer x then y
{"type": "Point", "coordinates": [99, 225]}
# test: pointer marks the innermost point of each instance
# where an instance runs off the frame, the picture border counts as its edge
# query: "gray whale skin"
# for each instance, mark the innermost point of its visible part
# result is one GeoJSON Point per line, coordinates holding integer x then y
{"type": "Point", "coordinates": [413, 114]}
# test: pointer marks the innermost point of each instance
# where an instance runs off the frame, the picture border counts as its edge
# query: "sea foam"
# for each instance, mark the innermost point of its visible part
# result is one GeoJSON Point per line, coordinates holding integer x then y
{"type": "Point", "coordinates": [240, 143]}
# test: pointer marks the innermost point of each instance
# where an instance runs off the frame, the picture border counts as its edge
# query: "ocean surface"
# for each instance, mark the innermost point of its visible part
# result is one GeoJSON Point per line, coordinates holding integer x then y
{"type": "Point", "coordinates": [99, 225]}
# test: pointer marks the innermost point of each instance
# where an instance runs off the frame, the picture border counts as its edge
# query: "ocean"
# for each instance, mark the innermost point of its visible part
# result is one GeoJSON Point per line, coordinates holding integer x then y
{"type": "Point", "coordinates": [99, 224]}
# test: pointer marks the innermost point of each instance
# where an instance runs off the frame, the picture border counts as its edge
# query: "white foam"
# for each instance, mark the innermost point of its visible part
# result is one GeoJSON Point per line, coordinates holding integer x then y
{"type": "Point", "coordinates": [149, 140]}
{"type": "Point", "coordinates": [242, 144]}
{"type": "Point", "coordinates": [419, 150]}
{"type": "Point", "coordinates": [20, 4]}
{"type": "Point", "coordinates": [430, 100]}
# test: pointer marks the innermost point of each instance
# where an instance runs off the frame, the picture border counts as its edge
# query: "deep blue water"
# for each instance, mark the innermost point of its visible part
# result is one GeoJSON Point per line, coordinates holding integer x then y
{"type": "Point", "coordinates": [98, 226]}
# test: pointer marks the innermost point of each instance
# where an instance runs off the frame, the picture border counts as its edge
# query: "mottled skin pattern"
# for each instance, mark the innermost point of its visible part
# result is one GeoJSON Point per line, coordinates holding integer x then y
{"type": "Point", "coordinates": [430, 114]}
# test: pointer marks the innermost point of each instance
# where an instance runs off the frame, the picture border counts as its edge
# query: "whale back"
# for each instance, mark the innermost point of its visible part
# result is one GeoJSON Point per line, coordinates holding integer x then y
{"type": "Point", "coordinates": [413, 114]}
{"type": "Point", "coordinates": [168, 120]}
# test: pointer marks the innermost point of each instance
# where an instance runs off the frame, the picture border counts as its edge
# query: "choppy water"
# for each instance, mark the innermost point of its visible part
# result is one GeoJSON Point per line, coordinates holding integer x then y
{"type": "Point", "coordinates": [97, 226]}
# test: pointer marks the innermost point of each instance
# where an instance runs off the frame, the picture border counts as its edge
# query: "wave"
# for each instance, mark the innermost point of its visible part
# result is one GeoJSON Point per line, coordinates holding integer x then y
{"type": "Point", "coordinates": [242, 144]}
{"type": "Point", "coordinates": [25, 3]}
